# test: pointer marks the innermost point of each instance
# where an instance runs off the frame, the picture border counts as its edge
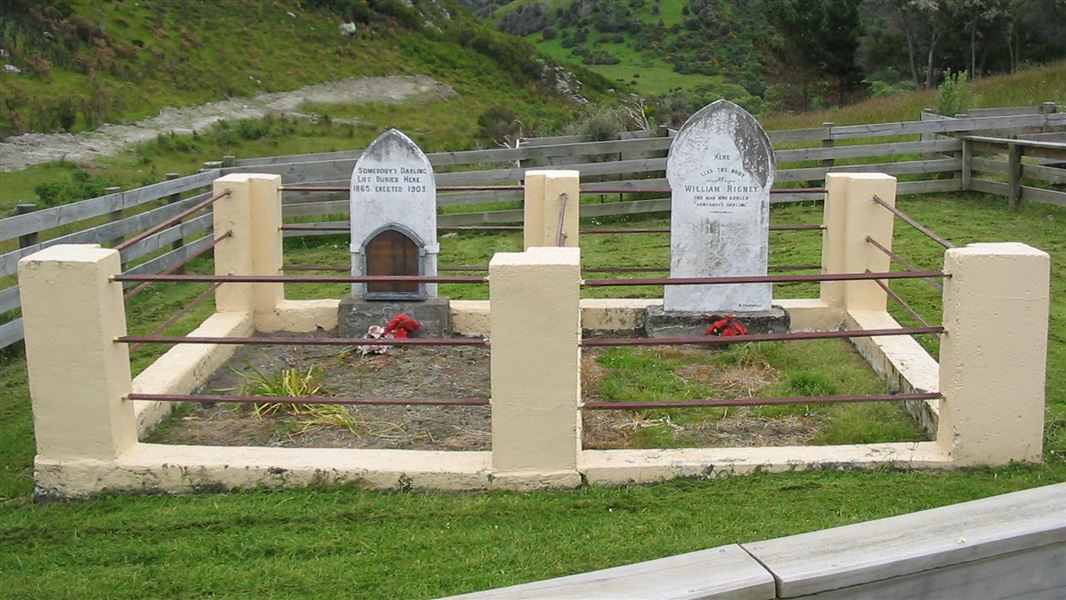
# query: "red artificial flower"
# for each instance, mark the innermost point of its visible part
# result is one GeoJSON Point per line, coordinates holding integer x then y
{"type": "Point", "coordinates": [401, 326]}
{"type": "Point", "coordinates": [727, 326]}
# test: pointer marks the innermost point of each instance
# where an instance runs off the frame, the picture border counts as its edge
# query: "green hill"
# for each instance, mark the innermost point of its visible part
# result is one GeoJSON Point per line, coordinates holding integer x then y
{"type": "Point", "coordinates": [73, 64]}
{"type": "Point", "coordinates": [784, 55]}
{"type": "Point", "coordinates": [710, 47]}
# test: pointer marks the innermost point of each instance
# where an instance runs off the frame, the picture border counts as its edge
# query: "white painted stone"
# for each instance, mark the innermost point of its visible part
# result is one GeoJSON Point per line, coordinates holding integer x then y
{"type": "Point", "coordinates": [392, 187]}
{"type": "Point", "coordinates": [720, 168]}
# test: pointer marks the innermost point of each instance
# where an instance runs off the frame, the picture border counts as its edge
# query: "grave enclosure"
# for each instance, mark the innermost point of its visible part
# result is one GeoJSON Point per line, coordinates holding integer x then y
{"type": "Point", "coordinates": [984, 398]}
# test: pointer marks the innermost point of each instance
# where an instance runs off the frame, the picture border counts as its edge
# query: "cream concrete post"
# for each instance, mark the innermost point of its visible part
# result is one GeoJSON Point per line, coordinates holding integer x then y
{"type": "Point", "coordinates": [266, 248]}
{"type": "Point", "coordinates": [544, 195]}
{"type": "Point", "coordinates": [863, 217]}
{"type": "Point", "coordinates": [252, 212]}
{"type": "Point", "coordinates": [535, 324]}
{"type": "Point", "coordinates": [836, 190]}
{"type": "Point", "coordinates": [993, 356]}
{"type": "Point", "coordinates": [78, 374]}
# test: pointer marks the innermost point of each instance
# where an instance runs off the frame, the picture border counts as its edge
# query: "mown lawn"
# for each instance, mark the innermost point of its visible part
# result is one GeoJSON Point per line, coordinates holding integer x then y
{"type": "Point", "coordinates": [353, 542]}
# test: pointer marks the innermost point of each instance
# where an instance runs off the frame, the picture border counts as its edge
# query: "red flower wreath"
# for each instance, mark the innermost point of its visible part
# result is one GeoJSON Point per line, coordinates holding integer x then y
{"type": "Point", "coordinates": [727, 326]}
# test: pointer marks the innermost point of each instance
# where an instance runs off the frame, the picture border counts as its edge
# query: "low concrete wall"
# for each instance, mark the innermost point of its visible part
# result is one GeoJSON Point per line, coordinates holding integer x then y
{"type": "Point", "coordinates": [902, 362]}
{"type": "Point", "coordinates": [183, 368]}
{"type": "Point", "coordinates": [1009, 546]}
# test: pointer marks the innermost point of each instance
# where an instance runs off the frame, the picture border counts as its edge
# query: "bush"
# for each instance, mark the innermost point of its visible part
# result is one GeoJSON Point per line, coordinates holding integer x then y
{"type": "Point", "coordinates": [954, 95]}
{"type": "Point", "coordinates": [497, 124]}
{"type": "Point", "coordinates": [599, 57]}
{"type": "Point", "coordinates": [80, 186]}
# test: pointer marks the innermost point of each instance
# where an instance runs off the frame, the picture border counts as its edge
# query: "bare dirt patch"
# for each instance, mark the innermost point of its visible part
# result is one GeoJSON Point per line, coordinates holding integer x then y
{"type": "Point", "coordinates": [409, 372]}
{"type": "Point", "coordinates": [453, 372]}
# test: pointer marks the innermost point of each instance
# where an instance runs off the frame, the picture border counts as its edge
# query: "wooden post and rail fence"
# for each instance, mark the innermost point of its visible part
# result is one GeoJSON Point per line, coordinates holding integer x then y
{"type": "Point", "coordinates": [1019, 153]}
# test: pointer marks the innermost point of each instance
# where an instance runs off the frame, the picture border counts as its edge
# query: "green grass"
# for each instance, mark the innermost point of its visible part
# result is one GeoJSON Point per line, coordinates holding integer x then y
{"type": "Point", "coordinates": [171, 53]}
{"type": "Point", "coordinates": [312, 542]}
{"type": "Point", "coordinates": [643, 72]}
{"type": "Point", "coordinates": [315, 542]}
{"type": "Point", "coordinates": [1046, 83]}
{"type": "Point", "coordinates": [810, 368]}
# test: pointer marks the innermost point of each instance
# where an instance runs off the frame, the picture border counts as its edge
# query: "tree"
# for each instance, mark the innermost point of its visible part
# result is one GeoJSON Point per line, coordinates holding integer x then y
{"type": "Point", "coordinates": [979, 19]}
{"type": "Point", "coordinates": [822, 36]}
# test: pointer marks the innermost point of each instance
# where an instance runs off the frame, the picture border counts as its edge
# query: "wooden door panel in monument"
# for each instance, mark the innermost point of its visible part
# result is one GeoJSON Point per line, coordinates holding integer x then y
{"type": "Point", "coordinates": [391, 253]}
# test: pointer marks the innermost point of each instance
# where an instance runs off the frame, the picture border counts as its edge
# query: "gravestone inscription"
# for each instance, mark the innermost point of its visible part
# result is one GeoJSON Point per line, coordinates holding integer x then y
{"type": "Point", "coordinates": [393, 232]}
{"type": "Point", "coordinates": [720, 169]}
{"type": "Point", "coordinates": [393, 217]}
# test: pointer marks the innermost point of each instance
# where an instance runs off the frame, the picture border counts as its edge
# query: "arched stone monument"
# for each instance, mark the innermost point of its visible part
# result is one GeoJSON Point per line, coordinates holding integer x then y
{"type": "Point", "coordinates": [720, 168]}
{"type": "Point", "coordinates": [393, 232]}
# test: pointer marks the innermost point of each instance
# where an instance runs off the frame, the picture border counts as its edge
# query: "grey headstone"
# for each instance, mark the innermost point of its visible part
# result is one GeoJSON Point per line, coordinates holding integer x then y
{"type": "Point", "coordinates": [392, 187]}
{"type": "Point", "coordinates": [721, 169]}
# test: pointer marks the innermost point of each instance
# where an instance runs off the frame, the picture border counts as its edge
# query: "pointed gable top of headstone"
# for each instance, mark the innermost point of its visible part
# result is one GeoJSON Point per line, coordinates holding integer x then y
{"type": "Point", "coordinates": [393, 145]}
{"type": "Point", "coordinates": [393, 184]}
{"type": "Point", "coordinates": [718, 118]}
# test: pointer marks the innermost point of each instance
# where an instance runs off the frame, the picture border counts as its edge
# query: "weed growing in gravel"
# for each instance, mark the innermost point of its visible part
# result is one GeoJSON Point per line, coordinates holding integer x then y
{"type": "Point", "coordinates": [294, 383]}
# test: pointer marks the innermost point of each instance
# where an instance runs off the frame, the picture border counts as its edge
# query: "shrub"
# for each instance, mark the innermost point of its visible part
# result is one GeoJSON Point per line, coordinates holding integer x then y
{"type": "Point", "coordinates": [954, 95]}
{"type": "Point", "coordinates": [497, 124]}
{"type": "Point", "coordinates": [80, 186]}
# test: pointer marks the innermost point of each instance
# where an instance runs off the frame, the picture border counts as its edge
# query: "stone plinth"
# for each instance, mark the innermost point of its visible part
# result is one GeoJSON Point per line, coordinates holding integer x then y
{"type": "Point", "coordinates": [356, 315]}
{"type": "Point", "coordinates": [659, 323]}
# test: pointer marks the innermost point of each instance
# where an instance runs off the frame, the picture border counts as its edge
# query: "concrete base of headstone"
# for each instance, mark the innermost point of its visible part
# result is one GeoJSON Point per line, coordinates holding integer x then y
{"type": "Point", "coordinates": [659, 323]}
{"type": "Point", "coordinates": [358, 314]}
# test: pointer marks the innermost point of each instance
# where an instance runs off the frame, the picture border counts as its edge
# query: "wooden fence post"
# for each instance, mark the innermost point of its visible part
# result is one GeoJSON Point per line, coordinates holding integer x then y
{"type": "Point", "coordinates": [1014, 171]}
{"type": "Point", "coordinates": [827, 142]}
{"type": "Point", "coordinates": [967, 167]}
{"type": "Point", "coordinates": [29, 239]}
{"type": "Point", "coordinates": [115, 215]}
{"type": "Point", "coordinates": [171, 199]}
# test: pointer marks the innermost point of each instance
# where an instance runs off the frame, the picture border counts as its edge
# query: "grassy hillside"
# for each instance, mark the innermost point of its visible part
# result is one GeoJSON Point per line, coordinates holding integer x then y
{"type": "Point", "coordinates": [656, 47]}
{"type": "Point", "coordinates": [84, 62]}
{"type": "Point", "coordinates": [1030, 87]}
{"type": "Point", "coordinates": [175, 53]}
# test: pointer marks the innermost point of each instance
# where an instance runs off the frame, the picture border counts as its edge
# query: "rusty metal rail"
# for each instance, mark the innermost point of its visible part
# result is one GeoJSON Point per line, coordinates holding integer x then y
{"type": "Point", "coordinates": [905, 263]}
{"type": "Point", "coordinates": [502, 188]}
{"type": "Point", "coordinates": [502, 228]}
{"type": "Point", "coordinates": [306, 341]}
{"type": "Point", "coordinates": [757, 337]}
{"type": "Point", "coordinates": [902, 397]}
{"type": "Point", "coordinates": [462, 268]}
{"type": "Point", "coordinates": [901, 302]}
{"type": "Point", "coordinates": [763, 279]}
{"type": "Point", "coordinates": [616, 230]}
{"type": "Point", "coordinates": [909, 220]}
{"type": "Point", "coordinates": [173, 220]}
{"type": "Point", "coordinates": [197, 301]}
{"type": "Point", "coordinates": [345, 400]}
{"type": "Point", "coordinates": [185, 261]}
{"type": "Point", "coordinates": [304, 278]}
{"type": "Point", "coordinates": [560, 234]}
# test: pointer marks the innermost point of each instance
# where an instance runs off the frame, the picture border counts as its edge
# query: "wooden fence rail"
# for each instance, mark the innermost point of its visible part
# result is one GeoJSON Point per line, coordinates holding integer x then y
{"type": "Point", "coordinates": [635, 161]}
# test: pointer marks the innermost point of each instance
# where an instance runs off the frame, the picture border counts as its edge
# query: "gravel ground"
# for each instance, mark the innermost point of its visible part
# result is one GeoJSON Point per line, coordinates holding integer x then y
{"type": "Point", "coordinates": [438, 372]}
